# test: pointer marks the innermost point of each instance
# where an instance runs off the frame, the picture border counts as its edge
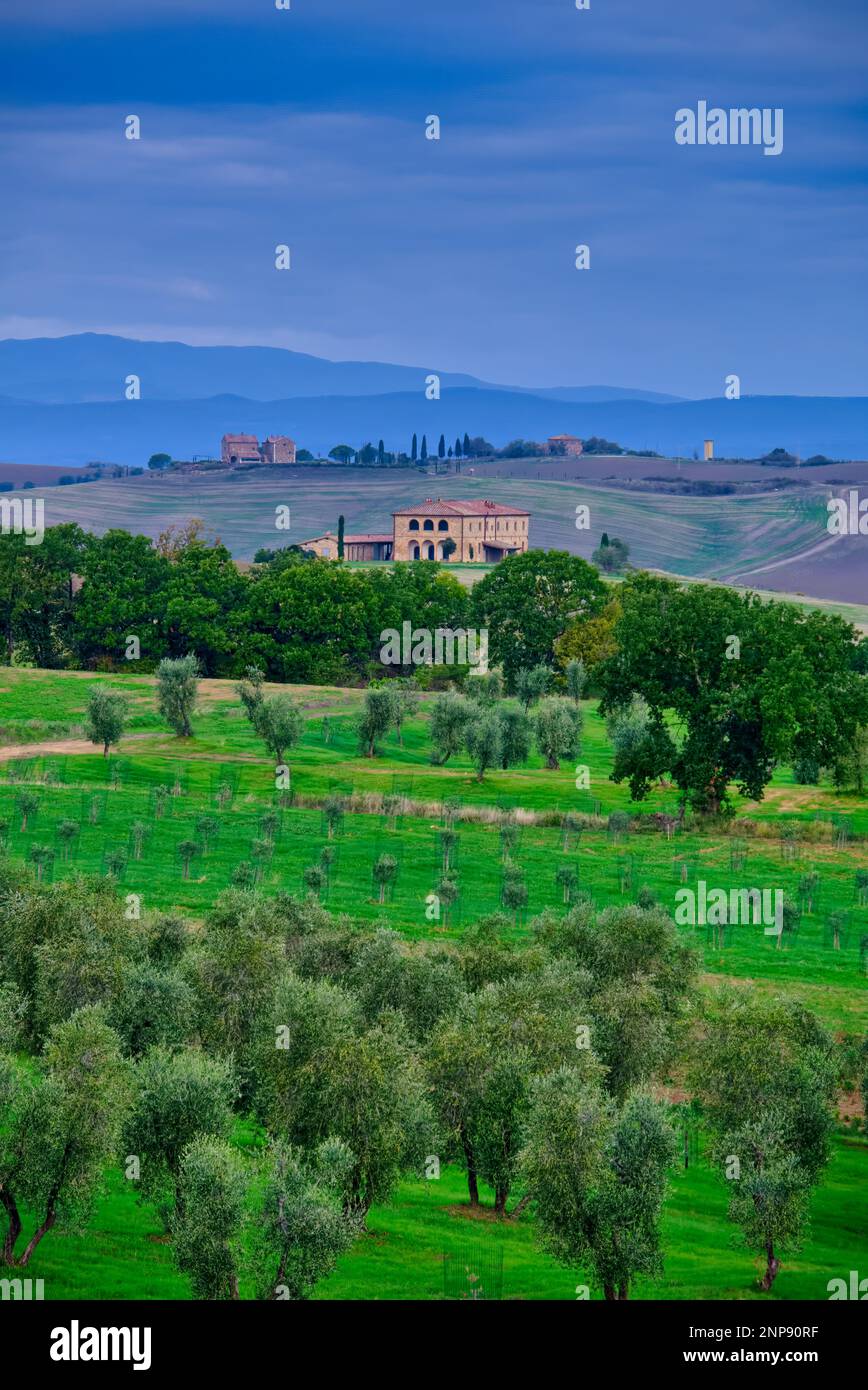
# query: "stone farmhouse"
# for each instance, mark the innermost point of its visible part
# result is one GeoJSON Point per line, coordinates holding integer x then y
{"type": "Point", "coordinates": [242, 450]}
{"type": "Point", "coordinates": [480, 531]}
{"type": "Point", "coordinates": [566, 444]}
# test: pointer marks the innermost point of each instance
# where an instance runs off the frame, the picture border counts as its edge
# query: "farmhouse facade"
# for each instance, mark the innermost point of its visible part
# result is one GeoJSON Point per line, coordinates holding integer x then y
{"type": "Point", "coordinates": [566, 444]}
{"type": "Point", "coordinates": [364, 546]}
{"type": "Point", "coordinates": [479, 531]}
{"type": "Point", "coordinates": [243, 450]}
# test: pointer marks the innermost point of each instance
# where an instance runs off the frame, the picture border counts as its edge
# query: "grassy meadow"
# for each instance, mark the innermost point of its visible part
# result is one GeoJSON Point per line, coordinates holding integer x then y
{"type": "Point", "coordinates": [223, 771]}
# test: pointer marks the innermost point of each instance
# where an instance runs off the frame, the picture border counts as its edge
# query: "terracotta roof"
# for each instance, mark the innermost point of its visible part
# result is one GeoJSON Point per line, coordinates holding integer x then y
{"type": "Point", "coordinates": [565, 436]}
{"type": "Point", "coordinates": [241, 439]}
{"type": "Point", "coordinates": [366, 536]}
{"type": "Point", "coordinates": [442, 507]}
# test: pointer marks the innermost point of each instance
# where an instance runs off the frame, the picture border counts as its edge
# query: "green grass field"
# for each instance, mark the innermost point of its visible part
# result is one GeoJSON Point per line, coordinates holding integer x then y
{"type": "Point", "coordinates": [123, 1255]}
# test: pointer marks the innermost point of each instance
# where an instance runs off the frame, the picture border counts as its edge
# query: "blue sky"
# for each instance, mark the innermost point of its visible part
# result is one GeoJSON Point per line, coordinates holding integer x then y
{"type": "Point", "coordinates": [308, 127]}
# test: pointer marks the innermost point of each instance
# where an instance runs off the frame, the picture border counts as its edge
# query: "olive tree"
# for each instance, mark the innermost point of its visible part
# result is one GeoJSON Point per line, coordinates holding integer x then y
{"type": "Point", "coordinates": [105, 717]}
{"type": "Point", "coordinates": [207, 1222]}
{"type": "Point", "coordinates": [62, 1121]}
{"type": "Point", "coordinates": [177, 685]}
{"type": "Point", "coordinates": [179, 1096]}
{"type": "Point", "coordinates": [598, 1177]}
{"type": "Point", "coordinates": [301, 1226]}
{"type": "Point", "coordinates": [558, 727]}
{"type": "Point", "coordinates": [764, 1071]}
{"type": "Point", "coordinates": [449, 720]}
{"type": "Point", "coordinates": [484, 743]}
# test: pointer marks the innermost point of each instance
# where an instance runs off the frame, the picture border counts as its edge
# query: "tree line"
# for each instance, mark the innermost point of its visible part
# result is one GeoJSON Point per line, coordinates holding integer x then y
{"type": "Point", "coordinates": [729, 686]}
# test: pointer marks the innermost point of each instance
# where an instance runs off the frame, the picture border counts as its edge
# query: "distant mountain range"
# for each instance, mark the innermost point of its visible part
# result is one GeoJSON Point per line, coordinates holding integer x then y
{"type": "Point", "coordinates": [92, 367]}
{"type": "Point", "coordinates": [62, 402]}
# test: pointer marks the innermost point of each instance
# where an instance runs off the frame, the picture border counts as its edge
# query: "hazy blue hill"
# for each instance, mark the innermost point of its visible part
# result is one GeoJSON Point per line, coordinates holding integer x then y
{"type": "Point", "coordinates": [93, 366]}
{"type": "Point", "coordinates": [130, 431]}
{"type": "Point", "coordinates": [597, 393]}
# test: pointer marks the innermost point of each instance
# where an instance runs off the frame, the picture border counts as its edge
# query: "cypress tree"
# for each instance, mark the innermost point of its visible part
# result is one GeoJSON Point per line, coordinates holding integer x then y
{"type": "Point", "coordinates": [414, 449]}
{"type": "Point", "coordinates": [441, 447]}
{"type": "Point", "coordinates": [424, 454]}
{"type": "Point", "coordinates": [340, 538]}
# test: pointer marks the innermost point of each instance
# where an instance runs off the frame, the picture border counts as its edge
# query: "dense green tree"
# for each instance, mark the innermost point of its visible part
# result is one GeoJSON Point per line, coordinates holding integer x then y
{"type": "Point", "coordinates": [154, 1006]}
{"type": "Point", "coordinates": [746, 683]}
{"type": "Point", "coordinates": [205, 606]}
{"type": "Point", "coordinates": [65, 945]}
{"type": "Point", "coordinates": [420, 593]}
{"type": "Point", "coordinates": [123, 595]}
{"type": "Point", "coordinates": [314, 620]}
{"type": "Point", "coordinates": [37, 598]}
{"type": "Point", "coordinates": [611, 555]}
{"type": "Point", "coordinates": [234, 968]}
{"type": "Point", "coordinates": [527, 601]}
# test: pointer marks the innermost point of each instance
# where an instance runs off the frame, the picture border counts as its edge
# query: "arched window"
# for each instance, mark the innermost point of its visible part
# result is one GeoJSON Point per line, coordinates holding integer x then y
{"type": "Point", "coordinates": [442, 525]}
{"type": "Point", "coordinates": [471, 552]}
{"type": "Point", "coordinates": [430, 551]}
{"type": "Point", "coordinates": [414, 525]}
{"type": "Point", "coordinates": [414, 552]}
{"type": "Point", "coordinates": [428, 525]}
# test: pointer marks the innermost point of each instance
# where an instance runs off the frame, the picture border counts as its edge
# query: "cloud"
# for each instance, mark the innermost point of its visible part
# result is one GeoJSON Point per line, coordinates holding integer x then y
{"type": "Point", "coordinates": [557, 128]}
